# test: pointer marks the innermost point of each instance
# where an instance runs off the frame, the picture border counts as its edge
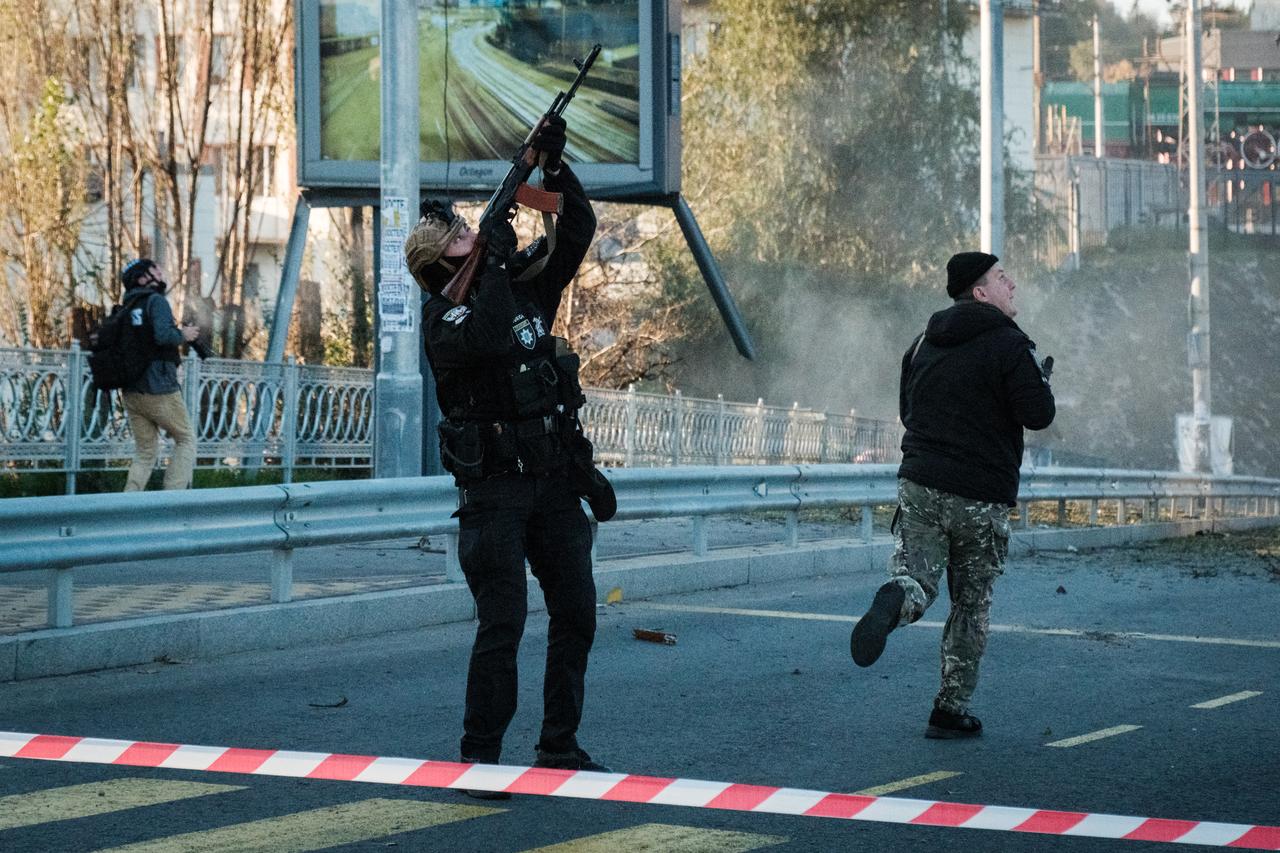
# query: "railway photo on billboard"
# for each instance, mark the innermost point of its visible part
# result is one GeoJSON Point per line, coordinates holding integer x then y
{"type": "Point", "coordinates": [487, 70]}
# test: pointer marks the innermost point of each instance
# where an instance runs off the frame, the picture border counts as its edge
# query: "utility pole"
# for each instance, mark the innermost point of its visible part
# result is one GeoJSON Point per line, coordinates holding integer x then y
{"type": "Point", "coordinates": [1099, 126]}
{"type": "Point", "coordinates": [991, 194]}
{"type": "Point", "coordinates": [397, 439]}
{"type": "Point", "coordinates": [1037, 78]}
{"type": "Point", "coordinates": [1198, 248]}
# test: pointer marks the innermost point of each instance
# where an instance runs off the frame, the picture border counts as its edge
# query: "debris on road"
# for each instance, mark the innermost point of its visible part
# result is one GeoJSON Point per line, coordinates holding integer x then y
{"type": "Point", "coordinates": [341, 701]}
{"type": "Point", "coordinates": [654, 636]}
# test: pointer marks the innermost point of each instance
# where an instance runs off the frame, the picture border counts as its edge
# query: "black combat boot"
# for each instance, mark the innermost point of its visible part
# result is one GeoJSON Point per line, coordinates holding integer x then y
{"type": "Point", "coordinates": [867, 641]}
{"type": "Point", "coordinates": [946, 725]}
{"type": "Point", "coordinates": [574, 759]}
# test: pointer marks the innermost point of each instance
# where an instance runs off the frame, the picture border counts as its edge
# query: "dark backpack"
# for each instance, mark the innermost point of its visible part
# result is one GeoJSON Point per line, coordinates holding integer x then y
{"type": "Point", "coordinates": [120, 351]}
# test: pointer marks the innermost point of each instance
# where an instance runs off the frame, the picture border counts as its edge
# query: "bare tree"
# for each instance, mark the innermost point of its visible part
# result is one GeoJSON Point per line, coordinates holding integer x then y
{"type": "Point", "coordinates": [259, 102]}
{"type": "Point", "coordinates": [621, 312]}
{"type": "Point", "coordinates": [145, 95]}
{"type": "Point", "coordinates": [42, 176]}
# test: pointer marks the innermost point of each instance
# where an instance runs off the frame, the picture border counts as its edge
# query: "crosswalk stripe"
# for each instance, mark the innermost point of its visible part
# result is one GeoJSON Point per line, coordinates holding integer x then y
{"type": "Point", "coordinates": [96, 798]}
{"type": "Point", "coordinates": [665, 838]}
{"type": "Point", "coordinates": [318, 829]}
{"type": "Point", "coordinates": [1227, 700]}
{"type": "Point", "coordinates": [903, 784]}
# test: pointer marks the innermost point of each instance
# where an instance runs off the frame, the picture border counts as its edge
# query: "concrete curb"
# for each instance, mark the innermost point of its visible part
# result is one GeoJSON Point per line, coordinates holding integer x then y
{"type": "Point", "coordinates": [186, 636]}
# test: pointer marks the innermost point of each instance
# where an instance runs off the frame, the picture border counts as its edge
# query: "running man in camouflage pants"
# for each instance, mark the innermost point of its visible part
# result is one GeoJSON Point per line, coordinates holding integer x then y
{"type": "Point", "coordinates": [970, 385]}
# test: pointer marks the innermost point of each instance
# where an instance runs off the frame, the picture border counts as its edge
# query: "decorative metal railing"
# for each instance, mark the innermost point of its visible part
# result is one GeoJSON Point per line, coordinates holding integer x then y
{"type": "Point", "coordinates": [252, 414]}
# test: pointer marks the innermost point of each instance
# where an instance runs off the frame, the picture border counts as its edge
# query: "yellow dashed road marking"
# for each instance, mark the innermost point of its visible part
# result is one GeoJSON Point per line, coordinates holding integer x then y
{"type": "Point", "coordinates": [664, 838]}
{"type": "Point", "coordinates": [903, 784]}
{"type": "Point", "coordinates": [1227, 700]}
{"type": "Point", "coordinates": [1092, 736]}
{"type": "Point", "coordinates": [96, 798]}
{"type": "Point", "coordinates": [319, 829]}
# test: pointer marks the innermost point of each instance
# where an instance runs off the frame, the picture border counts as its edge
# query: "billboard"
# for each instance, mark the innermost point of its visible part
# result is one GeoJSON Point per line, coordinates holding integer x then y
{"type": "Point", "coordinates": [487, 71]}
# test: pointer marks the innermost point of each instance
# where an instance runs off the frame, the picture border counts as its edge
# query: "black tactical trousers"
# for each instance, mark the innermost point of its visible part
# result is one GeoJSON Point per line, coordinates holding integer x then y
{"type": "Point", "coordinates": [503, 521]}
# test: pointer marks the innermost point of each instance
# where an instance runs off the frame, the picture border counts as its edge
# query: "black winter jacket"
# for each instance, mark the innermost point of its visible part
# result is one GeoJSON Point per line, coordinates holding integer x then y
{"type": "Point", "coordinates": [964, 398]}
{"type": "Point", "coordinates": [505, 323]}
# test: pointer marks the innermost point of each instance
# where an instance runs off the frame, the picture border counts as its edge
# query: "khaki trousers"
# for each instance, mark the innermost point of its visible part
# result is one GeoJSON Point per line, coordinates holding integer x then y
{"type": "Point", "coordinates": [149, 413]}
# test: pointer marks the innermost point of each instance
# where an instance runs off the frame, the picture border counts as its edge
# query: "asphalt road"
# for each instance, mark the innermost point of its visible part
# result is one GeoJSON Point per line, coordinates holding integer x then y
{"type": "Point", "coordinates": [743, 696]}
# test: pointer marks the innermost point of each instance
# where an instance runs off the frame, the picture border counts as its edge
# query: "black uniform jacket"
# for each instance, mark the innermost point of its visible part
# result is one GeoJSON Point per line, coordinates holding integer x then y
{"type": "Point", "coordinates": [505, 322]}
{"type": "Point", "coordinates": [965, 396]}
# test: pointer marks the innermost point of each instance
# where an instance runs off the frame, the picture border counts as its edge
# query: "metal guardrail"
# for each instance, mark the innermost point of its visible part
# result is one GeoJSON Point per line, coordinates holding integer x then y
{"type": "Point", "coordinates": [59, 533]}
{"type": "Point", "coordinates": [253, 414]}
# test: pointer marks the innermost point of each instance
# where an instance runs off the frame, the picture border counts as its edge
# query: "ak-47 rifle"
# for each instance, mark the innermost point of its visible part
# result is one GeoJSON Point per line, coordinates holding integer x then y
{"type": "Point", "coordinates": [514, 191]}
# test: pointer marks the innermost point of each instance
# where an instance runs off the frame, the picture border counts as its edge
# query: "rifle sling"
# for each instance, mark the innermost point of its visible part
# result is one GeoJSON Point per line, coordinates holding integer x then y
{"type": "Point", "coordinates": [549, 226]}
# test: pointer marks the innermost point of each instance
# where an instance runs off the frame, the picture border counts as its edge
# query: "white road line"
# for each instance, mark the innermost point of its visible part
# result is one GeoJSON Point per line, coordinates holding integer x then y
{"type": "Point", "coordinates": [903, 784]}
{"type": "Point", "coordinates": [1227, 700]}
{"type": "Point", "coordinates": [1092, 736]}
{"type": "Point", "coordinates": [1004, 629]}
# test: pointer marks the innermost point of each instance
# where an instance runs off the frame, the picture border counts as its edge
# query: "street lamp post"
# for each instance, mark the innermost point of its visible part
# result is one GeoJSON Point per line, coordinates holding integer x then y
{"type": "Point", "coordinates": [991, 194]}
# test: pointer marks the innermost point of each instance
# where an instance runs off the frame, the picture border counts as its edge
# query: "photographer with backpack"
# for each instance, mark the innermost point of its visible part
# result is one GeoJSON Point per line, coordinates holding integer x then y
{"type": "Point", "coordinates": [153, 399]}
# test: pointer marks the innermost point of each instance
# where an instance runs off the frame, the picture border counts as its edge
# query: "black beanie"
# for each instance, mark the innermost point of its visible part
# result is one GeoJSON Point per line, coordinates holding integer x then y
{"type": "Point", "coordinates": [966, 268]}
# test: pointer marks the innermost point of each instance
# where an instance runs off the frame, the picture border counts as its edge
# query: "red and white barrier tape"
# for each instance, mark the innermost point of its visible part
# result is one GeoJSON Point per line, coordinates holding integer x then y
{"type": "Point", "coordinates": [621, 787]}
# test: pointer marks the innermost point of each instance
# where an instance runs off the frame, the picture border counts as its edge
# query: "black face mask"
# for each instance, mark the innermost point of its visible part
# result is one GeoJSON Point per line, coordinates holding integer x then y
{"type": "Point", "coordinates": [159, 285]}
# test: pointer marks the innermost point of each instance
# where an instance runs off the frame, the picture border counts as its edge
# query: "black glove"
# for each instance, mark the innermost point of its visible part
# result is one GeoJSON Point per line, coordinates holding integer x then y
{"type": "Point", "coordinates": [502, 242]}
{"type": "Point", "coordinates": [1046, 367]}
{"type": "Point", "coordinates": [550, 139]}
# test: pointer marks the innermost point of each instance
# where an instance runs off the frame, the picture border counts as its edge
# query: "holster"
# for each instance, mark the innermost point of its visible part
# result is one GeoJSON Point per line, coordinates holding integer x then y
{"type": "Point", "coordinates": [462, 449]}
{"type": "Point", "coordinates": [588, 481]}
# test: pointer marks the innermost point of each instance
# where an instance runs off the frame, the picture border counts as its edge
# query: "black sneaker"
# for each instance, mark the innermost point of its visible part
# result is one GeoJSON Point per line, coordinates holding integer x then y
{"type": "Point", "coordinates": [868, 637]}
{"type": "Point", "coordinates": [479, 794]}
{"type": "Point", "coordinates": [946, 725]}
{"type": "Point", "coordinates": [575, 759]}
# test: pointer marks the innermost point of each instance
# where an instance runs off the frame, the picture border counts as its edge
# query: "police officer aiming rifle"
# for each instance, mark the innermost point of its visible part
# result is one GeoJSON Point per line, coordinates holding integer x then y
{"type": "Point", "coordinates": [512, 439]}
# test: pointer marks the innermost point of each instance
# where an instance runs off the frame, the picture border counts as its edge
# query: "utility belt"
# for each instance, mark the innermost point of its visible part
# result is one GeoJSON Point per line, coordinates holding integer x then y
{"type": "Point", "coordinates": [478, 450]}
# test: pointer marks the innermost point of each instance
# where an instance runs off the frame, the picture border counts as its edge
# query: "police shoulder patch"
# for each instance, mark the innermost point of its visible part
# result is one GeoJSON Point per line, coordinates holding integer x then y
{"type": "Point", "coordinates": [456, 315]}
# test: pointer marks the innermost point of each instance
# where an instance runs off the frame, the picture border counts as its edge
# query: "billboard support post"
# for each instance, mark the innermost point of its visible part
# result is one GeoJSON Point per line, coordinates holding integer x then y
{"type": "Point", "coordinates": [289, 280]}
{"type": "Point", "coordinates": [397, 448]}
{"type": "Point", "coordinates": [711, 274]}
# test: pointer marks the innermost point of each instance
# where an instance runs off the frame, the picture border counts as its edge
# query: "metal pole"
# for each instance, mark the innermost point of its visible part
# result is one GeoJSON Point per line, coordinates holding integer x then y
{"type": "Point", "coordinates": [289, 280]}
{"type": "Point", "coordinates": [1198, 248]}
{"type": "Point", "coordinates": [992, 171]}
{"type": "Point", "coordinates": [397, 450]}
{"type": "Point", "coordinates": [1037, 77]}
{"type": "Point", "coordinates": [73, 413]}
{"type": "Point", "coordinates": [1099, 139]}
{"type": "Point", "coordinates": [710, 270]}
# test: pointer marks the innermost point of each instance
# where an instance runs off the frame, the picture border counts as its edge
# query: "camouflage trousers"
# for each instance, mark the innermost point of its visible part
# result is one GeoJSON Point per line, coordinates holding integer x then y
{"type": "Point", "coordinates": [968, 540]}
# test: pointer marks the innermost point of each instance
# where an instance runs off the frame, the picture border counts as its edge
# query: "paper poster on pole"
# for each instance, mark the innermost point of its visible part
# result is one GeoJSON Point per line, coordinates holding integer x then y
{"type": "Point", "coordinates": [397, 304]}
{"type": "Point", "coordinates": [395, 215]}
